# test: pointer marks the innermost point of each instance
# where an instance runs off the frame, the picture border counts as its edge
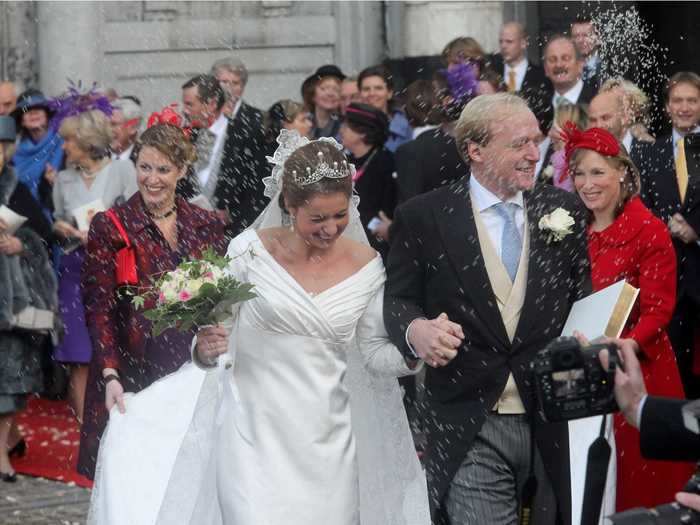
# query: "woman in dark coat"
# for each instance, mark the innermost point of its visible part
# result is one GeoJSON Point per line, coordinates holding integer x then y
{"type": "Point", "coordinates": [164, 230]}
{"type": "Point", "coordinates": [363, 133]}
{"type": "Point", "coordinates": [27, 286]}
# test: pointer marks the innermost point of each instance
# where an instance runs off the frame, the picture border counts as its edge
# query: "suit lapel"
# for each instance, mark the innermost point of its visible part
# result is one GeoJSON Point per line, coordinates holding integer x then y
{"type": "Point", "coordinates": [668, 165]}
{"type": "Point", "coordinates": [461, 240]}
{"type": "Point", "coordinates": [535, 290]}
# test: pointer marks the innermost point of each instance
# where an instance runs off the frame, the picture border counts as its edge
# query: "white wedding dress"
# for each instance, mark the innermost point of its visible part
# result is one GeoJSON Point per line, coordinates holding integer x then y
{"type": "Point", "coordinates": [301, 423]}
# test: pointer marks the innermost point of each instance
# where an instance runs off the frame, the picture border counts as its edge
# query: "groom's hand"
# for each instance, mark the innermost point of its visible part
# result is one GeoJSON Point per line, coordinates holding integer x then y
{"type": "Point", "coordinates": [436, 340]}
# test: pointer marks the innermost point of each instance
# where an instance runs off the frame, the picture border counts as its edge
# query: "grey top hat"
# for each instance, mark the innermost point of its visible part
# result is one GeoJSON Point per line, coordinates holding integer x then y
{"type": "Point", "coordinates": [8, 129]}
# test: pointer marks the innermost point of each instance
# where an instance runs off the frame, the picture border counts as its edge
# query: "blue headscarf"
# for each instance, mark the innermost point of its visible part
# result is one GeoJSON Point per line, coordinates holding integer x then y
{"type": "Point", "coordinates": [31, 158]}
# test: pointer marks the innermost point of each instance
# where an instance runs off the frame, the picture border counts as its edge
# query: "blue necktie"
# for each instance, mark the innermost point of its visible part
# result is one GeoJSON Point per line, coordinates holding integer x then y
{"type": "Point", "coordinates": [511, 243]}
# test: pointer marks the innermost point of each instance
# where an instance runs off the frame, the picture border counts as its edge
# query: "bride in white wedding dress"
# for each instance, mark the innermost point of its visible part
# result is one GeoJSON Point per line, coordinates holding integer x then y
{"type": "Point", "coordinates": [298, 418]}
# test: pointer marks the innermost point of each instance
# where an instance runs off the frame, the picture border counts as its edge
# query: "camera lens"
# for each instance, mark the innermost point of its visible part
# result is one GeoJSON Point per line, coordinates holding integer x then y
{"type": "Point", "coordinates": [565, 358]}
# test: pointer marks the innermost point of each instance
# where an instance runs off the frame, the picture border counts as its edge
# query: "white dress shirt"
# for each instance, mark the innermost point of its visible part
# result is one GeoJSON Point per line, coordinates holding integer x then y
{"type": "Point", "coordinates": [571, 96]}
{"type": "Point", "coordinates": [218, 128]}
{"type": "Point", "coordinates": [422, 129]}
{"type": "Point", "coordinates": [484, 200]}
{"type": "Point", "coordinates": [237, 107]}
{"type": "Point", "coordinates": [124, 155]}
{"type": "Point", "coordinates": [520, 69]}
{"type": "Point", "coordinates": [627, 141]}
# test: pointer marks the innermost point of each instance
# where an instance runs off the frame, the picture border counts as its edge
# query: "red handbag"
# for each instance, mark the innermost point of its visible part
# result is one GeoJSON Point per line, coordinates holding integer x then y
{"type": "Point", "coordinates": [126, 257]}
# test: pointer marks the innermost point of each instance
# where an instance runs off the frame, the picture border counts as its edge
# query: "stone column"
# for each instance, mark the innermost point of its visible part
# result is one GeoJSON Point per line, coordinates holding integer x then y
{"type": "Point", "coordinates": [70, 44]}
{"type": "Point", "coordinates": [427, 26]}
{"type": "Point", "coordinates": [19, 47]}
{"type": "Point", "coordinates": [359, 35]}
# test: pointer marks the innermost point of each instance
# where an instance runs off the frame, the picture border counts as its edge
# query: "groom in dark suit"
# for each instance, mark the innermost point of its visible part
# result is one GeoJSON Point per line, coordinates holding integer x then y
{"type": "Point", "coordinates": [476, 287]}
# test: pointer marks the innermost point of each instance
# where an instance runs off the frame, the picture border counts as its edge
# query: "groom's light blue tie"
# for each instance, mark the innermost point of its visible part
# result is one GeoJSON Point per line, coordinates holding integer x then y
{"type": "Point", "coordinates": [511, 242]}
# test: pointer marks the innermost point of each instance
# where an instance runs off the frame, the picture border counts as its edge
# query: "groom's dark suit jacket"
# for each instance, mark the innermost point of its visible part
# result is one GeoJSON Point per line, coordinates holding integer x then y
{"type": "Point", "coordinates": [435, 265]}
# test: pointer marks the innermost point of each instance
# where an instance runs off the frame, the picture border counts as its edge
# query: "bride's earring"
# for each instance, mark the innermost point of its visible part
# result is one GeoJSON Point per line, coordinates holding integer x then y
{"type": "Point", "coordinates": [292, 218]}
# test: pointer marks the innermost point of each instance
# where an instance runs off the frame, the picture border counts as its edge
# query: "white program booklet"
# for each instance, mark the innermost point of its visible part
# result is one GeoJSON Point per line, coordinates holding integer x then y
{"type": "Point", "coordinates": [603, 313]}
{"type": "Point", "coordinates": [12, 219]}
{"type": "Point", "coordinates": [84, 214]}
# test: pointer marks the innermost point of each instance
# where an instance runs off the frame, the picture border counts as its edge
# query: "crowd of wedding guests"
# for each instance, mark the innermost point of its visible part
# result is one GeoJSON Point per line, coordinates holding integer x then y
{"type": "Point", "coordinates": [66, 158]}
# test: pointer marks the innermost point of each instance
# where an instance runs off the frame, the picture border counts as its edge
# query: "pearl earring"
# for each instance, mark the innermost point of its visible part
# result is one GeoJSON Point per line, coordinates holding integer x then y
{"type": "Point", "coordinates": [622, 179]}
{"type": "Point", "coordinates": [291, 223]}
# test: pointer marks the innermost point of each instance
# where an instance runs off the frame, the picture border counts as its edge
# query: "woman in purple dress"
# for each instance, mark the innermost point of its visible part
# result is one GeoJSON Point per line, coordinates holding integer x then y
{"type": "Point", "coordinates": [164, 230]}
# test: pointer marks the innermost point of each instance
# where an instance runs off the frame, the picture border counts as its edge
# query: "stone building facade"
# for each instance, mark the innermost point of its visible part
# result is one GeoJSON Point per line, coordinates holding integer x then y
{"type": "Point", "coordinates": [149, 48]}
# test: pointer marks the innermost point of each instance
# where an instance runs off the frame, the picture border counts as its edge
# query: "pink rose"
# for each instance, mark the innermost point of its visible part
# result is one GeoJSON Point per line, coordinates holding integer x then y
{"type": "Point", "coordinates": [184, 296]}
{"type": "Point", "coordinates": [161, 298]}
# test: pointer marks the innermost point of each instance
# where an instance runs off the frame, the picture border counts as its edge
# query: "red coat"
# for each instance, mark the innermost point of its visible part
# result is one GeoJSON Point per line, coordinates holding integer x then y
{"type": "Point", "coordinates": [637, 247]}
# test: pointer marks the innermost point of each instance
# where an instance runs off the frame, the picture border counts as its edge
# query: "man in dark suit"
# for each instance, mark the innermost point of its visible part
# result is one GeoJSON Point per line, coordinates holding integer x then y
{"type": "Point", "coordinates": [432, 159]}
{"type": "Point", "coordinates": [475, 289]}
{"type": "Point", "coordinates": [673, 194]}
{"type": "Point", "coordinates": [563, 66]}
{"type": "Point", "coordinates": [586, 41]}
{"type": "Point", "coordinates": [521, 76]}
{"type": "Point", "coordinates": [230, 154]}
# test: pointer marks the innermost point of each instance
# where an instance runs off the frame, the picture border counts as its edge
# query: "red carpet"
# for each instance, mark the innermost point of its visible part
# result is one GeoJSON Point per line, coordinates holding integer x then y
{"type": "Point", "coordinates": [52, 436]}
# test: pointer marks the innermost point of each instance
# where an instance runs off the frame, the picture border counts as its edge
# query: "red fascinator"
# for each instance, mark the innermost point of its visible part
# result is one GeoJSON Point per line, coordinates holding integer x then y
{"type": "Point", "coordinates": [169, 115]}
{"type": "Point", "coordinates": [596, 139]}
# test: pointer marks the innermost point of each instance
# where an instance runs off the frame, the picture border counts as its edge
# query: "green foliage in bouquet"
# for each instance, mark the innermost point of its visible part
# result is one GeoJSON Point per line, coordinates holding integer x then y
{"type": "Point", "coordinates": [197, 293]}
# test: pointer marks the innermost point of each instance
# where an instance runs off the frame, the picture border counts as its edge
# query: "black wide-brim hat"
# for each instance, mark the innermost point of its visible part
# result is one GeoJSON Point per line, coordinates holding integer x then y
{"type": "Point", "coordinates": [30, 99]}
{"type": "Point", "coordinates": [329, 70]}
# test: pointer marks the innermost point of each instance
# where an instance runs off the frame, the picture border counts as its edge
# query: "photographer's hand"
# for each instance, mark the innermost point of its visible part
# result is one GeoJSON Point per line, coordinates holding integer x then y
{"type": "Point", "coordinates": [629, 383]}
{"type": "Point", "coordinates": [689, 500]}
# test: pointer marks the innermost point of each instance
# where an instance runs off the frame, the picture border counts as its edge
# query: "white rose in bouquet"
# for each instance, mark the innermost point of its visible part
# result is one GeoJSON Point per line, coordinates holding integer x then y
{"type": "Point", "coordinates": [193, 285]}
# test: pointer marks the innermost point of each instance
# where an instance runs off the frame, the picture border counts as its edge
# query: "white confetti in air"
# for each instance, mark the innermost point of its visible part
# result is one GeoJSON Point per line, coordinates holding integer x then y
{"type": "Point", "coordinates": [627, 49]}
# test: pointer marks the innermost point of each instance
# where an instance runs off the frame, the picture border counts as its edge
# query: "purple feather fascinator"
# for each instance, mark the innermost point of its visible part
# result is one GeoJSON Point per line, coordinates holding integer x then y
{"type": "Point", "coordinates": [76, 101]}
{"type": "Point", "coordinates": [462, 81]}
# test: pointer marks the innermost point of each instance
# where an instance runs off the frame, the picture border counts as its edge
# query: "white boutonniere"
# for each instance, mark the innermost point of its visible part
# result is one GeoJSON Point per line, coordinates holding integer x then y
{"type": "Point", "coordinates": [557, 225]}
{"type": "Point", "coordinates": [548, 172]}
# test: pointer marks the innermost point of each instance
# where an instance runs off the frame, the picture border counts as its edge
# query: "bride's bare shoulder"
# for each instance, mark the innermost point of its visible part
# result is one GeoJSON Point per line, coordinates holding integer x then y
{"type": "Point", "coordinates": [360, 253]}
{"type": "Point", "coordinates": [270, 237]}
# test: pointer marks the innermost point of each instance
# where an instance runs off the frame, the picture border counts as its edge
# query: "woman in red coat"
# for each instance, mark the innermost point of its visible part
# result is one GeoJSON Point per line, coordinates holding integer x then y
{"type": "Point", "coordinates": [625, 241]}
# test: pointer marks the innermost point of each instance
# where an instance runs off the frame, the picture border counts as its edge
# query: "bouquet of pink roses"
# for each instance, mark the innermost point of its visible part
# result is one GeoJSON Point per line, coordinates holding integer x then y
{"type": "Point", "coordinates": [197, 293]}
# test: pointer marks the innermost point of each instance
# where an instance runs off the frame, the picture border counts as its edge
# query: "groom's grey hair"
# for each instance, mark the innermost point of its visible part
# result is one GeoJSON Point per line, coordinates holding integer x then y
{"type": "Point", "coordinates": [474, 124]}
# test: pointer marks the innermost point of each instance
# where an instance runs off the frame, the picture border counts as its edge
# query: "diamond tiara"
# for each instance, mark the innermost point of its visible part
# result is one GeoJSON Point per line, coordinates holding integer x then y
{"type": "Point", "coordinates": [322, 171]}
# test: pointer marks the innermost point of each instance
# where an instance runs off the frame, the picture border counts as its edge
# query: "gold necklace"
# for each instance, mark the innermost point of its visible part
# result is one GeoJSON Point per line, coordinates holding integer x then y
{"type": "Point", "coordinates": [161, 216]}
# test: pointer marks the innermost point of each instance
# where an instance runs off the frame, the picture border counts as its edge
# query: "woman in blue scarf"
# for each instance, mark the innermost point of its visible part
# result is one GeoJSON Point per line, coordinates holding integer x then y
{"type": "Point", "coordinates": [39, 155]}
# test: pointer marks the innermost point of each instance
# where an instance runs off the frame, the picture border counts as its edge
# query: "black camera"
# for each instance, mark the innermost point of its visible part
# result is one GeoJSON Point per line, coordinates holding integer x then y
{"type": "Point", "coordinates": [668, 514]}
{"type": "Point", "coordinates": [570, 381]}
